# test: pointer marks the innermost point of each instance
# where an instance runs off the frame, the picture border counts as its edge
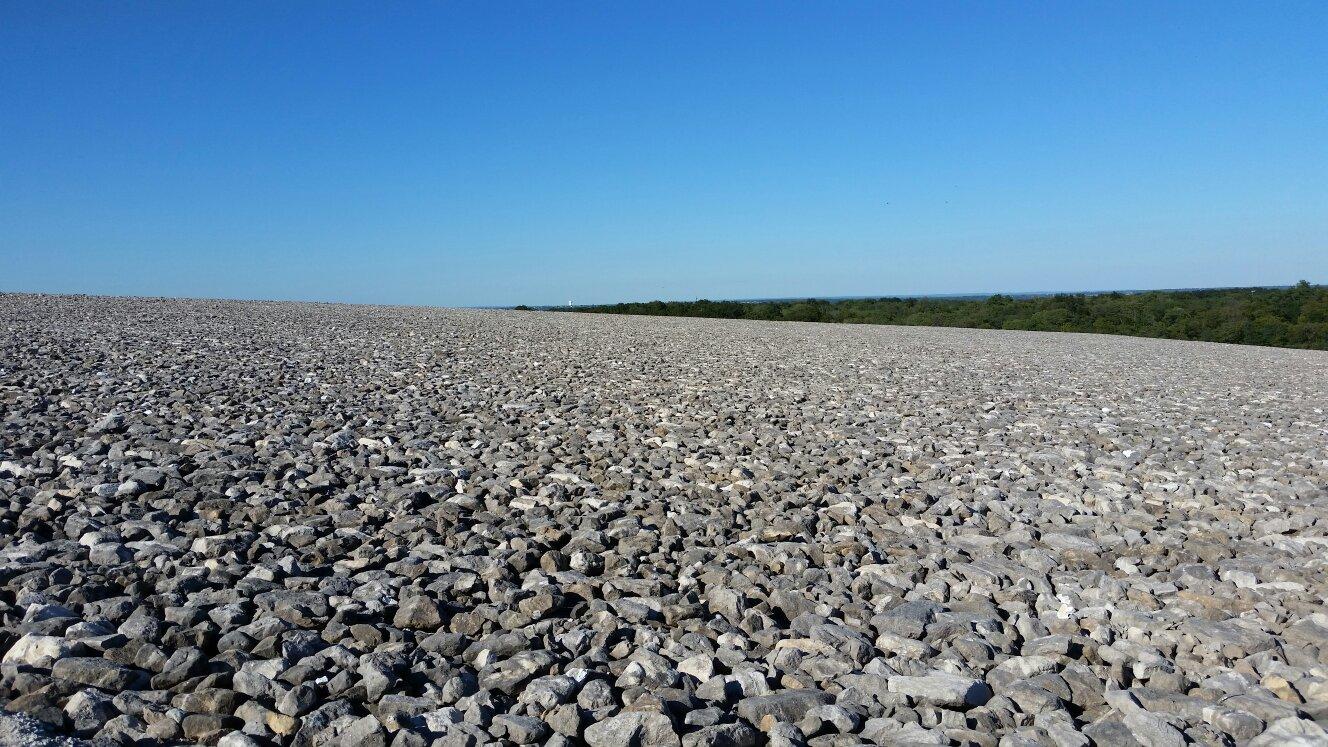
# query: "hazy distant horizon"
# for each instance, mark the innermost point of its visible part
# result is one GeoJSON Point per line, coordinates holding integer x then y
{"type": "Point", "coordinates": [956, 296]}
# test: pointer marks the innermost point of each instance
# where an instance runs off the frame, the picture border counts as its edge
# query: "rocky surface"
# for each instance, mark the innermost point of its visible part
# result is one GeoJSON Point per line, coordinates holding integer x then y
{"type": "Point", "coordinates": [300, 524]}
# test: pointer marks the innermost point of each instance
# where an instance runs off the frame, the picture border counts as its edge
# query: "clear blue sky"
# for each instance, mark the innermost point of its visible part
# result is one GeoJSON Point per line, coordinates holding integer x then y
{"type": "Point", "coordinates": [488, 154]}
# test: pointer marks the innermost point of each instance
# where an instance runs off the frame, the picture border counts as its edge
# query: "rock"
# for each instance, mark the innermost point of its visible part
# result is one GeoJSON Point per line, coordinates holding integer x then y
{"type": "Point", "coordinates": [280, 723]}
{"type": "Point", "coordinates": [886, 731]}
{"type": "Point", "coordinates": [418, 613]}
{"type": "Point", "coordinates": [363, 732]}
{"type": "Point", "coordinates": [41, 704]}
{"type": "Point", "coordinates": [785, 735]}
{"type": "Point", "coordinates": [549, 692]}
{"type": "Point", "coordinates": [908, 620]}
{"type": "Point", "coordinates": [785, 705]}
{"type": "Point", "coordinates": [208, 700]}
{"type": "Point", "coordinates": [942, 689]}
{"type": "Point", "coordinates": [723, 735]}
{"type": "Point", "coordinates": [378, 675]}
{"type": "Point", "coordinates": [39, 651]}
{"type": "Point", "coordinates": [831, 719]}
{"type": "Point", "coordinates": [208, 727]}
{"type": "Point", "coordinates": [99, 673]}
{"type": "Point", "coordinates": [519, 729]}
{"type": "Point", "coordinates": [565, 719]}
{"type": "Point", "coordinates": [182, 664]}
{"type": "Point", "coordinates": [396, 711]}
{"type": "Point", "coordinates": [509, 675]}
{"type": "Point", "coordinates": [1291, 732]}
{"type": "Point", "coordinates": [1239, 724]}
{"type": "Point", "coordinates": [238, 739]}
{"type": "Point", "coordinates": [1153, 731]}
{"type": "Point", "coordinates": [112, 423]}
{"type": "Point", "coordinates": [701, 667]}
{"type": "Point", "coordinates": [89, 710]}
{"type": "Point", "coordinates": [109, 553]}
{"type": "Point", "coordinates": [633, 729]}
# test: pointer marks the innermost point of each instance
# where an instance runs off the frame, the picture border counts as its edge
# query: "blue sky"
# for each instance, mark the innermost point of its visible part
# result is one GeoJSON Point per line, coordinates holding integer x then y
{"type": "Point", "coordinates": [489, 154]}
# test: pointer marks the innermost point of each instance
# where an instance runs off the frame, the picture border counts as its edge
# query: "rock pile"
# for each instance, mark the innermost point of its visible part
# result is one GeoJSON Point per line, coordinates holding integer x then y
{"type": "Point", "coordinates": [298, 524]}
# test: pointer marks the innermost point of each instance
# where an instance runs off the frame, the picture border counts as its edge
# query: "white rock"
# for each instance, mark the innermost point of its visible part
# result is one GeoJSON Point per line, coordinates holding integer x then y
{"type": "Point", "coordinates": [38, 651]}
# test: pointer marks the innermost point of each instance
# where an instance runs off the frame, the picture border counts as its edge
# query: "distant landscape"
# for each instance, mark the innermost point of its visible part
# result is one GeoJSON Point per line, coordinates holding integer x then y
{"type": "Point", "coordinates": [1291, 317]}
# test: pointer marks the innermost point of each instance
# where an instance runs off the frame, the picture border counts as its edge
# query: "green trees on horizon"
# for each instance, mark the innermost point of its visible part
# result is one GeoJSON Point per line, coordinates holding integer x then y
{"type": "Point", "coordinates": [1295, 317]}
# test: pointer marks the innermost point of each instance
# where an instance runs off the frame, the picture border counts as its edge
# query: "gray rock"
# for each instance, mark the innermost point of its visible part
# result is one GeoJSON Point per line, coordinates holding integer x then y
{"type": "Point", "coordinates": [418, 613]}
{"type": "Point", "coordinates": [362, 732]}
{"type": "Point", "coordinates": [909, 620]}
{"type": "Point", "coordinates": [1291, 732]}
{"type": "Point", "coordinates": [89, 710]}
{"type": "Point", "coordinates": [519, 729]}
{"type": "Point", "coordinates": [785, 705]}
{"type": "Point", "coordinates": [943, 689]}
{"type": "Point", "coordinates": [208, 727]}
{"type": "Point", "coordinates": [378, 676]}
{"type": "Point", "coordinates": [633, 729]}
{"type": "Point", "coordinates": [886, 731]}
{"type": "Point", "coordinates": [723, 735]}
{"type": "Point", "coordinates": [238, 739]}
{"type": "Point", "coordinates": [99, 673]}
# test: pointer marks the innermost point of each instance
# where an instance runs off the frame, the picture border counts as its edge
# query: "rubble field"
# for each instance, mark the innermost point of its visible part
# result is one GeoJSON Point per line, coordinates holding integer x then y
{"type": "Point", "coordinates": [251, 523]}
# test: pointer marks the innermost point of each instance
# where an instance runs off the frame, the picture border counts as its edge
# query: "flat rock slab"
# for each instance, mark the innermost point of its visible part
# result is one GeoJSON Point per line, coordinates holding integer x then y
{"type": "Point", "coordinates": [943, 689]}
{"type": "Point", "coordinates": [98, 672]}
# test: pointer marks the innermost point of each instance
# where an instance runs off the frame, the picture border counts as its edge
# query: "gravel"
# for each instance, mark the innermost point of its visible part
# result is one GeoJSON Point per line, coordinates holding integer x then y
{"type": "Point", "coordinates": [306, 524]}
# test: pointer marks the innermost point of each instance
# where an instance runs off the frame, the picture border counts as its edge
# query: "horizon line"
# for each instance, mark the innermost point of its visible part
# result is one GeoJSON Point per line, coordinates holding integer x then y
{"type": "Point", "coordinates": [754, 299]}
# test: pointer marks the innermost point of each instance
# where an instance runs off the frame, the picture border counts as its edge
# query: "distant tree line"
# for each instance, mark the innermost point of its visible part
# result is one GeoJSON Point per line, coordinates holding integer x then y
{"type": "Point", "coordinates": [1295, 317]}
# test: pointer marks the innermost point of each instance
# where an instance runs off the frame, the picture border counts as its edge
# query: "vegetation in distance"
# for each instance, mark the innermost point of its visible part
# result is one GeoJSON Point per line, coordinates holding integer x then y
{"type": "Point", "coordinates": [1294, 317]}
